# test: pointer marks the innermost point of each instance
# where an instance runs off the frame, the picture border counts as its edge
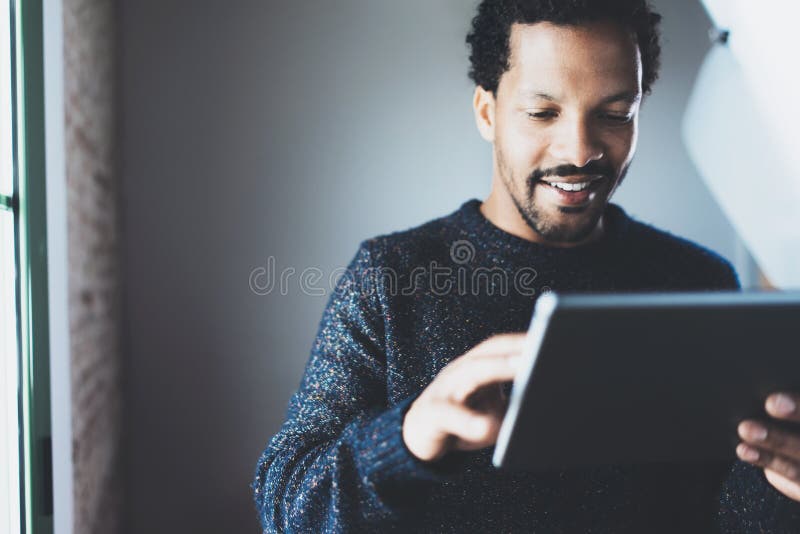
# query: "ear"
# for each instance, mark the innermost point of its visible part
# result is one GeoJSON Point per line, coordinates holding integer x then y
{"type": "Point", "coordinates": [483, 105]}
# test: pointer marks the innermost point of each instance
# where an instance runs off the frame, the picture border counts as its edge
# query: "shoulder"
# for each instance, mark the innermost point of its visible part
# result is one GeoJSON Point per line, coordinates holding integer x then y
{"type": "Point", "coordinates": [417, 245]}
{"type": "Point", "coordinates": [676, 257]}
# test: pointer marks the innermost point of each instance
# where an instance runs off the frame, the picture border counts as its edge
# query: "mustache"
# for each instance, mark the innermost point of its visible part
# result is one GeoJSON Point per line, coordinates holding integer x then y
{"type": "Point", "coordinates": [593, 167]}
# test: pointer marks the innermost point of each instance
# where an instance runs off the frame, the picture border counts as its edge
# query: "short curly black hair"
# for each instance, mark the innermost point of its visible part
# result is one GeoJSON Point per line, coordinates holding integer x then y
{"type": "Point", "coordinates": [491, 27]}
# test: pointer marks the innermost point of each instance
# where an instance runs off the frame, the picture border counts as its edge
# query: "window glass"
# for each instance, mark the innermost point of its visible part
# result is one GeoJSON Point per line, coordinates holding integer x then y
{"type": "Point", "coordinates": [6, 168]}
{"type": "Point", "coordinates": [9, 427]}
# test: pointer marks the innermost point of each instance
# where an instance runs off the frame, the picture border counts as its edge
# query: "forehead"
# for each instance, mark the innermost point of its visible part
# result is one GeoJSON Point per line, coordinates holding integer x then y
{"type": "Point", "coordinates": [598, 56]}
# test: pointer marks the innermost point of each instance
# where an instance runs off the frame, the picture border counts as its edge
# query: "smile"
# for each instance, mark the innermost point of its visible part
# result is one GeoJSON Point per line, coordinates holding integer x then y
{"type": "Point", "coordinates": [573, 186]}
{"type": "Point", "coordinates": [572, 193]}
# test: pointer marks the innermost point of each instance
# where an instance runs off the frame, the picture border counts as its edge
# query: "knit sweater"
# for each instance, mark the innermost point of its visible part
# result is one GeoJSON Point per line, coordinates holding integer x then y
{"type": "Point", "coordinates": [412, 301]}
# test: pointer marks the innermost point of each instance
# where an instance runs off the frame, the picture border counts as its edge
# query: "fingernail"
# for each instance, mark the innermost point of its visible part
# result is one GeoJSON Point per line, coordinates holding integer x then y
{"type": "Point", "coordinates": [783, 405]}
{"type": "Point", "coordinates": [747, 453]}
{"type": "Point", "coordinates": [755, 432]}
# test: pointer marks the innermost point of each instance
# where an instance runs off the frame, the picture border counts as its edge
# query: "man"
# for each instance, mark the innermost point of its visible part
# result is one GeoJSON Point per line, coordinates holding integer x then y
{"type": "Point", "coordinates": [402, 398]}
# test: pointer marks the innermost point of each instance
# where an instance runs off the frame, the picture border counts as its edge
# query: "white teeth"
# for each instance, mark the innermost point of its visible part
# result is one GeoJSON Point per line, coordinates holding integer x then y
{"type": "Point", "coordinates": [571, 187]}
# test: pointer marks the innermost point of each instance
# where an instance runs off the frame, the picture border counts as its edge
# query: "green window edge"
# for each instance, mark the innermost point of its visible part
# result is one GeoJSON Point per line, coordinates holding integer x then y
{"type": "Point", "coordinates": [32, 297]}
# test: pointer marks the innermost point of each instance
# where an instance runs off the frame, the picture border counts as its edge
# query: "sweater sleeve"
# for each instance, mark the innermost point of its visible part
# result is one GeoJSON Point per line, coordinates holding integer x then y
{"type": "Point", "coordinates": [339, 462]}
{"type": "Point", "coordinates": [749, 503]}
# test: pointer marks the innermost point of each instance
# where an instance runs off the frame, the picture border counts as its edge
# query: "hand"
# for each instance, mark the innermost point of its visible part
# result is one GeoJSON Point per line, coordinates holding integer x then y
{"type": "Point", "coordinates": [775, 449]}
{"type": "Point", "coordinates": [464, 405]}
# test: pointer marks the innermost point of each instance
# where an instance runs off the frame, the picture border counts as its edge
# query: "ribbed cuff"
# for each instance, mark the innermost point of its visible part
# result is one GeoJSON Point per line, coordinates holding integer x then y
{"type": "Point", "coordinates": [385, 459]}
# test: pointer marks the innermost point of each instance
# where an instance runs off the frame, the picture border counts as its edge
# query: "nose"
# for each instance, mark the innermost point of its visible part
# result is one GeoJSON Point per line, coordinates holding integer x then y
{"type": "Point", "coordinates": [575, 143]}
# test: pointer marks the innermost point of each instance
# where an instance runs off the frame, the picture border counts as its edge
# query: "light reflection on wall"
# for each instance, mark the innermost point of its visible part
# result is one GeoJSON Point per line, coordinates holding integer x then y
{"type": "Point", "coordinates": [739, 127]}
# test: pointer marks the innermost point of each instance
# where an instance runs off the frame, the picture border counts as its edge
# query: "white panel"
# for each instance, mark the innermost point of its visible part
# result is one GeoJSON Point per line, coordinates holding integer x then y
{"type": "Point", "coordinates": [741, 152]}
{"type": "Point", "coordinates": [60, 390]}
{"type": "Point", "coordinates": [763, 39]}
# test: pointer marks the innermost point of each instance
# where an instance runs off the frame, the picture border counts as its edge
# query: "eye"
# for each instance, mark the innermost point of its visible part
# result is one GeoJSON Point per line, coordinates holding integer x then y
{"type": "Point", "coordinates": [542, 115]}
{"type": "Point", "coordinates": [619, 119]}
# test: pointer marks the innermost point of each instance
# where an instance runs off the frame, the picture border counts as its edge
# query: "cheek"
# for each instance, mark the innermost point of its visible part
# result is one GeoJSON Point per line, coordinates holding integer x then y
{"type": "Point", "coordinates": [620, 145]}
{"type": "Point", "coordinates": [525, 149]}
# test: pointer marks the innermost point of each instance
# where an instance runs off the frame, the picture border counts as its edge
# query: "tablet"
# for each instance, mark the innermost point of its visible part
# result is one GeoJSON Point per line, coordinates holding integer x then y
{"type": "Point", "coordinates": [640, 378]}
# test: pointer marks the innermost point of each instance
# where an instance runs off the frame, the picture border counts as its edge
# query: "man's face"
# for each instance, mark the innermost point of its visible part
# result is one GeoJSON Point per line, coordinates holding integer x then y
{"type": "Point", "coordinates": [565, 124]}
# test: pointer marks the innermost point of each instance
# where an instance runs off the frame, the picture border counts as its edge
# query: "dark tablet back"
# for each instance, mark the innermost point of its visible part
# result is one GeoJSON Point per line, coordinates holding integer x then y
{"type": "Point", "coordinates": [646, 377]}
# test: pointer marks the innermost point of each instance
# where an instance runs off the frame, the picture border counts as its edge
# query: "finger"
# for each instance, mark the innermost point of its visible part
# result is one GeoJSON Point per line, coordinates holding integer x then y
{"type": "Point", "coordinates": [788, 487]}
{"type": "Point", "coordinates": [468, 378]}
{"type": "Point", "coordinates": [498, 344]}
{"type": "Point", "coordinates": [770, 438]}
{"type": "Point", "coordinates": [785, 467]}
{"type": "Point", "coordinates": [472, 430]}
{"type": "Point", "coordinates": [783, 406]}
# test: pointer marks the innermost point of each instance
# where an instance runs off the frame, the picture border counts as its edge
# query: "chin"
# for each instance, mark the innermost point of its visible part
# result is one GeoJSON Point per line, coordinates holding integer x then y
{"type": "Point", "coordinates": [566, 224]}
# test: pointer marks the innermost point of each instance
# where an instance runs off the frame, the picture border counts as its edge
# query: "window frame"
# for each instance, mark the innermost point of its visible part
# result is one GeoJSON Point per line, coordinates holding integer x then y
{"type": "Point", "coordinates": [30, 206]}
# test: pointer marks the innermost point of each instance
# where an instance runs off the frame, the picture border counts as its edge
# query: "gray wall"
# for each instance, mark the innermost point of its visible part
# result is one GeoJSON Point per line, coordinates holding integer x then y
{"type": "Point", "coordinates": [294, 130]}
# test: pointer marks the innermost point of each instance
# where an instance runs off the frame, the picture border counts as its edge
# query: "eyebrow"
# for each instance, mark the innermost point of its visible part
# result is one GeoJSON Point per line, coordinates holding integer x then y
{"type": "Point", "coordinates": [627, 97]}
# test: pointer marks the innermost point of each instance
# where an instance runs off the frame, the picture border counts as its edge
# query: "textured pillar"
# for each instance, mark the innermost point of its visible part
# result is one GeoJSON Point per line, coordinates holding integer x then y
{"type": "Point", "coordinates": [94, 266]}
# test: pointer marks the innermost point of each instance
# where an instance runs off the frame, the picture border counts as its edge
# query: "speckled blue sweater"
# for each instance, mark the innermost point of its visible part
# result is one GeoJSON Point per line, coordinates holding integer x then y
{"type": "Point", "coordinates": [412, 301]}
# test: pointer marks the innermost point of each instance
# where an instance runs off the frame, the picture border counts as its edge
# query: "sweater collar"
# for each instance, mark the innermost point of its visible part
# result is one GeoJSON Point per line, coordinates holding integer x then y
{"type": "Point", "coordinates": [484, 232]}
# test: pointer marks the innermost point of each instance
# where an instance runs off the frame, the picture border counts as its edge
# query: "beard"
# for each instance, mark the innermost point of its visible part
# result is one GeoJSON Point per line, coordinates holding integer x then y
{"type": "Point", "coordinates": [569, 224]}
